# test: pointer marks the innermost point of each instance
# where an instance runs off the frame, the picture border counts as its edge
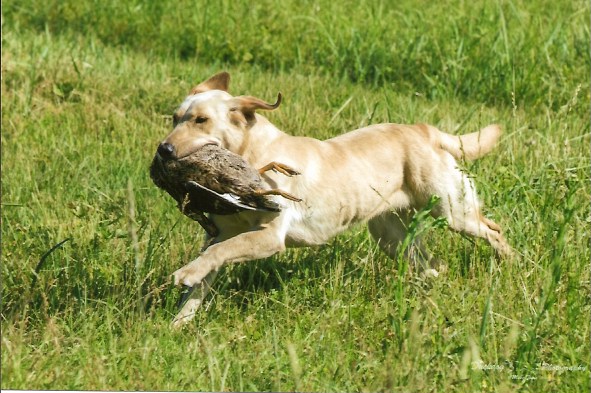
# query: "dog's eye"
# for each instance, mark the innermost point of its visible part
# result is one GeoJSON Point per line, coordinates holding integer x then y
{"type": "Point", "coordinates": [200, 119]}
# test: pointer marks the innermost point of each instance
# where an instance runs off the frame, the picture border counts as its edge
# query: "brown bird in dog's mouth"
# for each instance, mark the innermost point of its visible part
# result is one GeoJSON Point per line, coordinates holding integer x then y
{"type": "Point", "coordinates": [215, 180]}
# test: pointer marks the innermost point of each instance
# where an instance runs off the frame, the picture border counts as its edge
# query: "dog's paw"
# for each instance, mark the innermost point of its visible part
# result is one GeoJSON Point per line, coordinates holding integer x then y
{"type": "Point", "coordinates": [189, 275]}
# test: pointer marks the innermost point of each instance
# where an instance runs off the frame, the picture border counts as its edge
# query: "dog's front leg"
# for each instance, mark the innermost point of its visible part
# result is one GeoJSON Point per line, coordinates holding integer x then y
{"type": "Point", "coordinates": [245, 246]}
{"type": "Point", "coordinates": [194, 300]}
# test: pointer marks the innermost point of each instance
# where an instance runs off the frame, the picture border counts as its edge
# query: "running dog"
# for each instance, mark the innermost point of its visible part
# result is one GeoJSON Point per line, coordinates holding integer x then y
{"type": "Point", "coordinates": [379, 174]}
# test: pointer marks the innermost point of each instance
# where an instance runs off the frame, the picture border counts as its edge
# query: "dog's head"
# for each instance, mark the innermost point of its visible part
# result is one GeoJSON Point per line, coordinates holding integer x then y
{"type": "Point", "coordinates": [211, 115]}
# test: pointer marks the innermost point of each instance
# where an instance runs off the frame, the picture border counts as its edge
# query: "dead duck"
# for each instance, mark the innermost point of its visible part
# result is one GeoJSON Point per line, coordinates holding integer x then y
{"type": "Point", "coordinates": [215, 180]}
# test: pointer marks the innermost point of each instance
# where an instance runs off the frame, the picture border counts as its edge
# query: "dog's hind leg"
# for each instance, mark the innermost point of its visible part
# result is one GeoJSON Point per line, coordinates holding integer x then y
{"type": "Point", "coordinates": [460, 206]}
{"type": "Point", "coordinates": [476, 225]}
{"type": "Point", "coordinates": [390, 229]}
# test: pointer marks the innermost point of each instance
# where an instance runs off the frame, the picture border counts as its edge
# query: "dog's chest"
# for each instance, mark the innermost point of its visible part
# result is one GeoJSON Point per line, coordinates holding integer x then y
{"type": "Point", "coordinates": [313, 226]}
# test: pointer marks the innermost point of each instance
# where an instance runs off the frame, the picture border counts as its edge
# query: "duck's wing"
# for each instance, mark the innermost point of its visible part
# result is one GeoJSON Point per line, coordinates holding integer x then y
{"type": "Point", "coordinates": [210, 201]}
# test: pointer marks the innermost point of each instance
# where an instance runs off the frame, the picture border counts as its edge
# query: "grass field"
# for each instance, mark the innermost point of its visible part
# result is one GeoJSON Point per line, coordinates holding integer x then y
{"type": "Point", "coordinates": [89, 243]}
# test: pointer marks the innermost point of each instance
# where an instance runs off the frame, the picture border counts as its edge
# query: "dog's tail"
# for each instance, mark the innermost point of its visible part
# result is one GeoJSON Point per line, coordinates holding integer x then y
{"type": "Point", "coordinates": [470, 146]}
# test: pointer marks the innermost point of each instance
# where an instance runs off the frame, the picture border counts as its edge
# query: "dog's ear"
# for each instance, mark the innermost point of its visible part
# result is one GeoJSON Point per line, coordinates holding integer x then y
{"type": "Point", "coordinates": [249, 104]}
{"type": "Point", "coordinates": [219, 81]}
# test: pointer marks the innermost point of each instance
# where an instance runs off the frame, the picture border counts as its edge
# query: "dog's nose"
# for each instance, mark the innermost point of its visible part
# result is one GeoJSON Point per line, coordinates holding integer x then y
{"type": "Point", "coordinates": [166, 150]}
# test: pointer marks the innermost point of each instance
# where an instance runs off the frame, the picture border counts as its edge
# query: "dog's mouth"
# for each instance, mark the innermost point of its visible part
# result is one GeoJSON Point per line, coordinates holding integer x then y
{"type": "Point", "coordinates": [189, 156]}
{"type": "Point", "coordinates": [189, 148]}
{"type": "Point", "coordinates": [166, 172]}
{"type": "Point", "coordinates": [170, 173]}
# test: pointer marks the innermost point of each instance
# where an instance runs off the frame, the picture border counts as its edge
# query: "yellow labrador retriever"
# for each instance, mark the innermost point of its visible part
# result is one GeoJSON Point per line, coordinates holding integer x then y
{"type": "Point", "coordinates": [378, 174]}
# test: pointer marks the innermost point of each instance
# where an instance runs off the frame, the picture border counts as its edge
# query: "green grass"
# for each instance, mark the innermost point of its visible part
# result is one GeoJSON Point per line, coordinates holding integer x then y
{"type": "Point", "coordinates": [87, 92]}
